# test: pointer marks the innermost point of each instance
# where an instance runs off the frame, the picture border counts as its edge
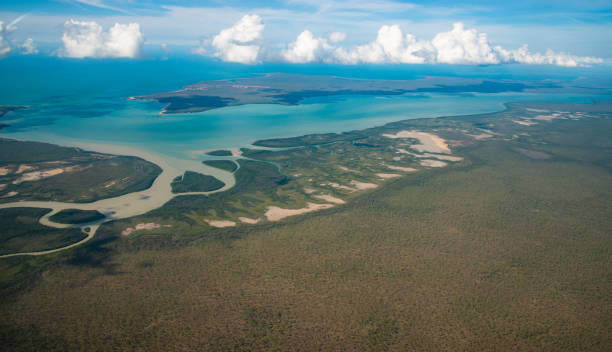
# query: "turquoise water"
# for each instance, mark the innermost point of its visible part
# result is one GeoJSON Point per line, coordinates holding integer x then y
{"type": "Point", "coordinates": [84, 101]}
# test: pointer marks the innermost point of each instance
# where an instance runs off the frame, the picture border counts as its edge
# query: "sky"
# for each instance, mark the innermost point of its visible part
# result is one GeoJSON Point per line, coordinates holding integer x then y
{"type": "Point", "coordinates": [562, 33]}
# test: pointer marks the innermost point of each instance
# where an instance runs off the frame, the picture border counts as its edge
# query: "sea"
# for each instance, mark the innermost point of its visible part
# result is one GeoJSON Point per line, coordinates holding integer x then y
{"type": "Point", "coordinates": [84, 101]}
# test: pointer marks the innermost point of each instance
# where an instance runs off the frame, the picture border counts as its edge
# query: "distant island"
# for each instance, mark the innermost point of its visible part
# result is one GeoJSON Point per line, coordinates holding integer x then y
{"type": "Point", "coordinates": [290, 89]}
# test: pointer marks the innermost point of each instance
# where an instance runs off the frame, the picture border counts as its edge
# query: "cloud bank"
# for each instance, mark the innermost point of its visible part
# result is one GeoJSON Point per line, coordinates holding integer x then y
{"type": "Point", "coordinates": [28, 47]}
{"type": "Point", "coordinates": [87, 39]}
{"type": "Point", "coordinates": [5, 48]}
{"type": "Point", "coordinates": [457, 46]}
{"type": "Point", "coordinates": [239, 43]}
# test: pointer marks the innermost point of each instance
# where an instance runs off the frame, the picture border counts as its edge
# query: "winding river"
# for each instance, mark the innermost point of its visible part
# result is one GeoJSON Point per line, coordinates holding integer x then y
{"type": "Point", "coordinates": [128, 205]}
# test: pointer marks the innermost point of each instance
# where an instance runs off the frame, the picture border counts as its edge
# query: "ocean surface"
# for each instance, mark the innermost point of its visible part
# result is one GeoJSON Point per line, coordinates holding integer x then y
{"type": "Point", "coordinates": [84, 101]}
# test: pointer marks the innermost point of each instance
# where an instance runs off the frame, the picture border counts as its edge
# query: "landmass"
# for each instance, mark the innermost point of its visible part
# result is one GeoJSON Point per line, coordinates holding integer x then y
{"type": "Point", "coordinates": [227, 165]}
{"type": "Point", "coordinates": [415, 235]}
{"type": "Point", "coordinates": [76, 216]}
{"type": "Point", "coordinates": [195, 182]}
{"type": "Point", "coordinates": [42, 171]}
{"type": "Point", "coordinates": [289, 89]}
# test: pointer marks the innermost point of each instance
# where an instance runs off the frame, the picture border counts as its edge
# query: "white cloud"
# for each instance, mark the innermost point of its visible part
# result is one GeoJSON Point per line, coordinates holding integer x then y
{"type": "Point", "coordinates": [307, 48]}
{"type": "Point", "coordinates": [88, 39]}
{"type": "Point", "coordinates": [239, 43]}
{"type": "Point", "coordinates": [458, 46]}
{"type": "Point", "coordinates": [463, 46]}
{"type": "Point", "coordinates": [5, 30]}
{"type": "Point", "coordinates": [28, 47]}
{"type": "Point", "coordinates": [5, 48]}
{"type": "Point", "coordinates": [337, 37]}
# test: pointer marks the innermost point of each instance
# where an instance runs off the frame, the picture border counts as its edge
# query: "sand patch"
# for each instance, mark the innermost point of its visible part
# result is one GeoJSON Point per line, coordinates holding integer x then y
{"type": "Point", "coordinates": [360, 186]}
{"type": "Point", "coordinates": [4, 171]}
{"type": "Point", "coordinates": [387, 176]}
{"type": "Point", "coordinates": [248, 220]}
{"type": "Point", "coordinates": [536, 110]}
{"type": "Point", "coordinates": [38, 175]}
{"type": "Point", "coordinates": [142, 226]}
{"type": "Point", "coordinates": [441, 157]}
{"type": "Point", "coordinates": [338, 186]}
{"type": "Point", "coordinates": [275, 213]}
{"type": "Point", "coordinates": [433, 163]}
{"type": "Point", "coordinates": [525, 123]}
{"type": "Point", "coordinates": [400, 168]}
{"type": "Point", "coordinates": [110, 184]}
{"type": "Point", "coordinates": [2, 186]}
{"type": "Point", "coordinates": [309, 190]}
{"type": "Point", "coordinates": [429, 142]}
{"type": "Point", "coordinates": [397, 158]}
{"type": "Point", "coordinates": [24, 168]}
{"type": "Point", "coordinates": [344, 168]}
{"type": "Point", "coordinates": [329, 198]}
{"type": "Point", "coordinates": [220, 223]}
{"type": "Point", "coordinates": [480, 137]}
{"type": "Point", "coordinates": [547, 117]}
{"type": "Point", "coordinates": [10, 194]}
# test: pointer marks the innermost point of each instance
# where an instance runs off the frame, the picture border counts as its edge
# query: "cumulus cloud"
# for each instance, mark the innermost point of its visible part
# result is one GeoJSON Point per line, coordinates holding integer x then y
{"type": "Point", "coordinates": [5, 48]}
{"type": "Point", "coordinates": [239, 43]}
{"type": "Point", "coordinates": [28, 47]}
{"type": "Point", "coordinates": [337, 37]}
{"type": "Point", "coordinates": [457, 46]}
{"type": "Point", "coordinates": [307, 48]}
{"type": "Point", "coordinates": [88, 39]}
{"type": "Point", "coordinates": [5, 30]}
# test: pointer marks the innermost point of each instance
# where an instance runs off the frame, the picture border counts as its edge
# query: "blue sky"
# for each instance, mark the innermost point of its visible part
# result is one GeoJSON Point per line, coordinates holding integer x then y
{"type": "Point", "coordinates": [582, 28]}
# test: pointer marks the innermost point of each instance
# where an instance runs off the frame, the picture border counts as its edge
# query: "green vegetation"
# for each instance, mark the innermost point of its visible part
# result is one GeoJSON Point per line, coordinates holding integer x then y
{"type": "Point", "coordinates": [506, 249]}
{"type": "Point", "coordinates": [76, 216]}
{"type": "Point", "coordinates": [41, 171]}
{"type": "Point", "coordinates": [195, 182]}
{"type": "Point", "coordinates": [220, 153]}
{"type": "Point", "coordinates": [226, 165]}
{"type": "Point", "coordinates": [21, 232]}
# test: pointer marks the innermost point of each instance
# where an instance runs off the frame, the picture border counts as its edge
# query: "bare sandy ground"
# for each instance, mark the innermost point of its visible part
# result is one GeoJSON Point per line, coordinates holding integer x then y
{"type": "Point", "coordinates": [309, 190]}
{"type": "Point", "coordinates": [536, 110]}
{"type": "Point", "coordinates": [4, 171]}
{"type": "Point", "coordinates": [429, 142]}
{"type": "Point", "coordinates": [248, 220]}
{"type": "Point", "coordinates": [329, 198]}
{"type": "Point", "coordinates": [142, 226]}
{"type": "Point", "coordinates": [339, 186]}
{"type": "Point", "coordinates": [441, 157]}
{"type": "Point", "coordinates": [220, 223]}
{"type": "Point", "coordinates": [275, 213]}
{"type": "Point", "coordinates": [547, 117]}
{"type": "Point", "coordinates": [525, 123]}
{"type": "Point", "coordinates": [10, 194]}
{"type": "Point", "coordinates": [387, 176]}
{"type": "Point", "coordinates": [360, 186]}
{"type": "Point", "coordinates": [38, 175]}
{"type": "Point", "coordinates": [344, 168]}
{"type": "Point", "coordinates": [480, 136]}
{"type": "Point", "coordinates": [400, 168]}
{"type": "Point", "coordinates": [433, 163]}
{"type": "Point", "coordinates": [24, 168]}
